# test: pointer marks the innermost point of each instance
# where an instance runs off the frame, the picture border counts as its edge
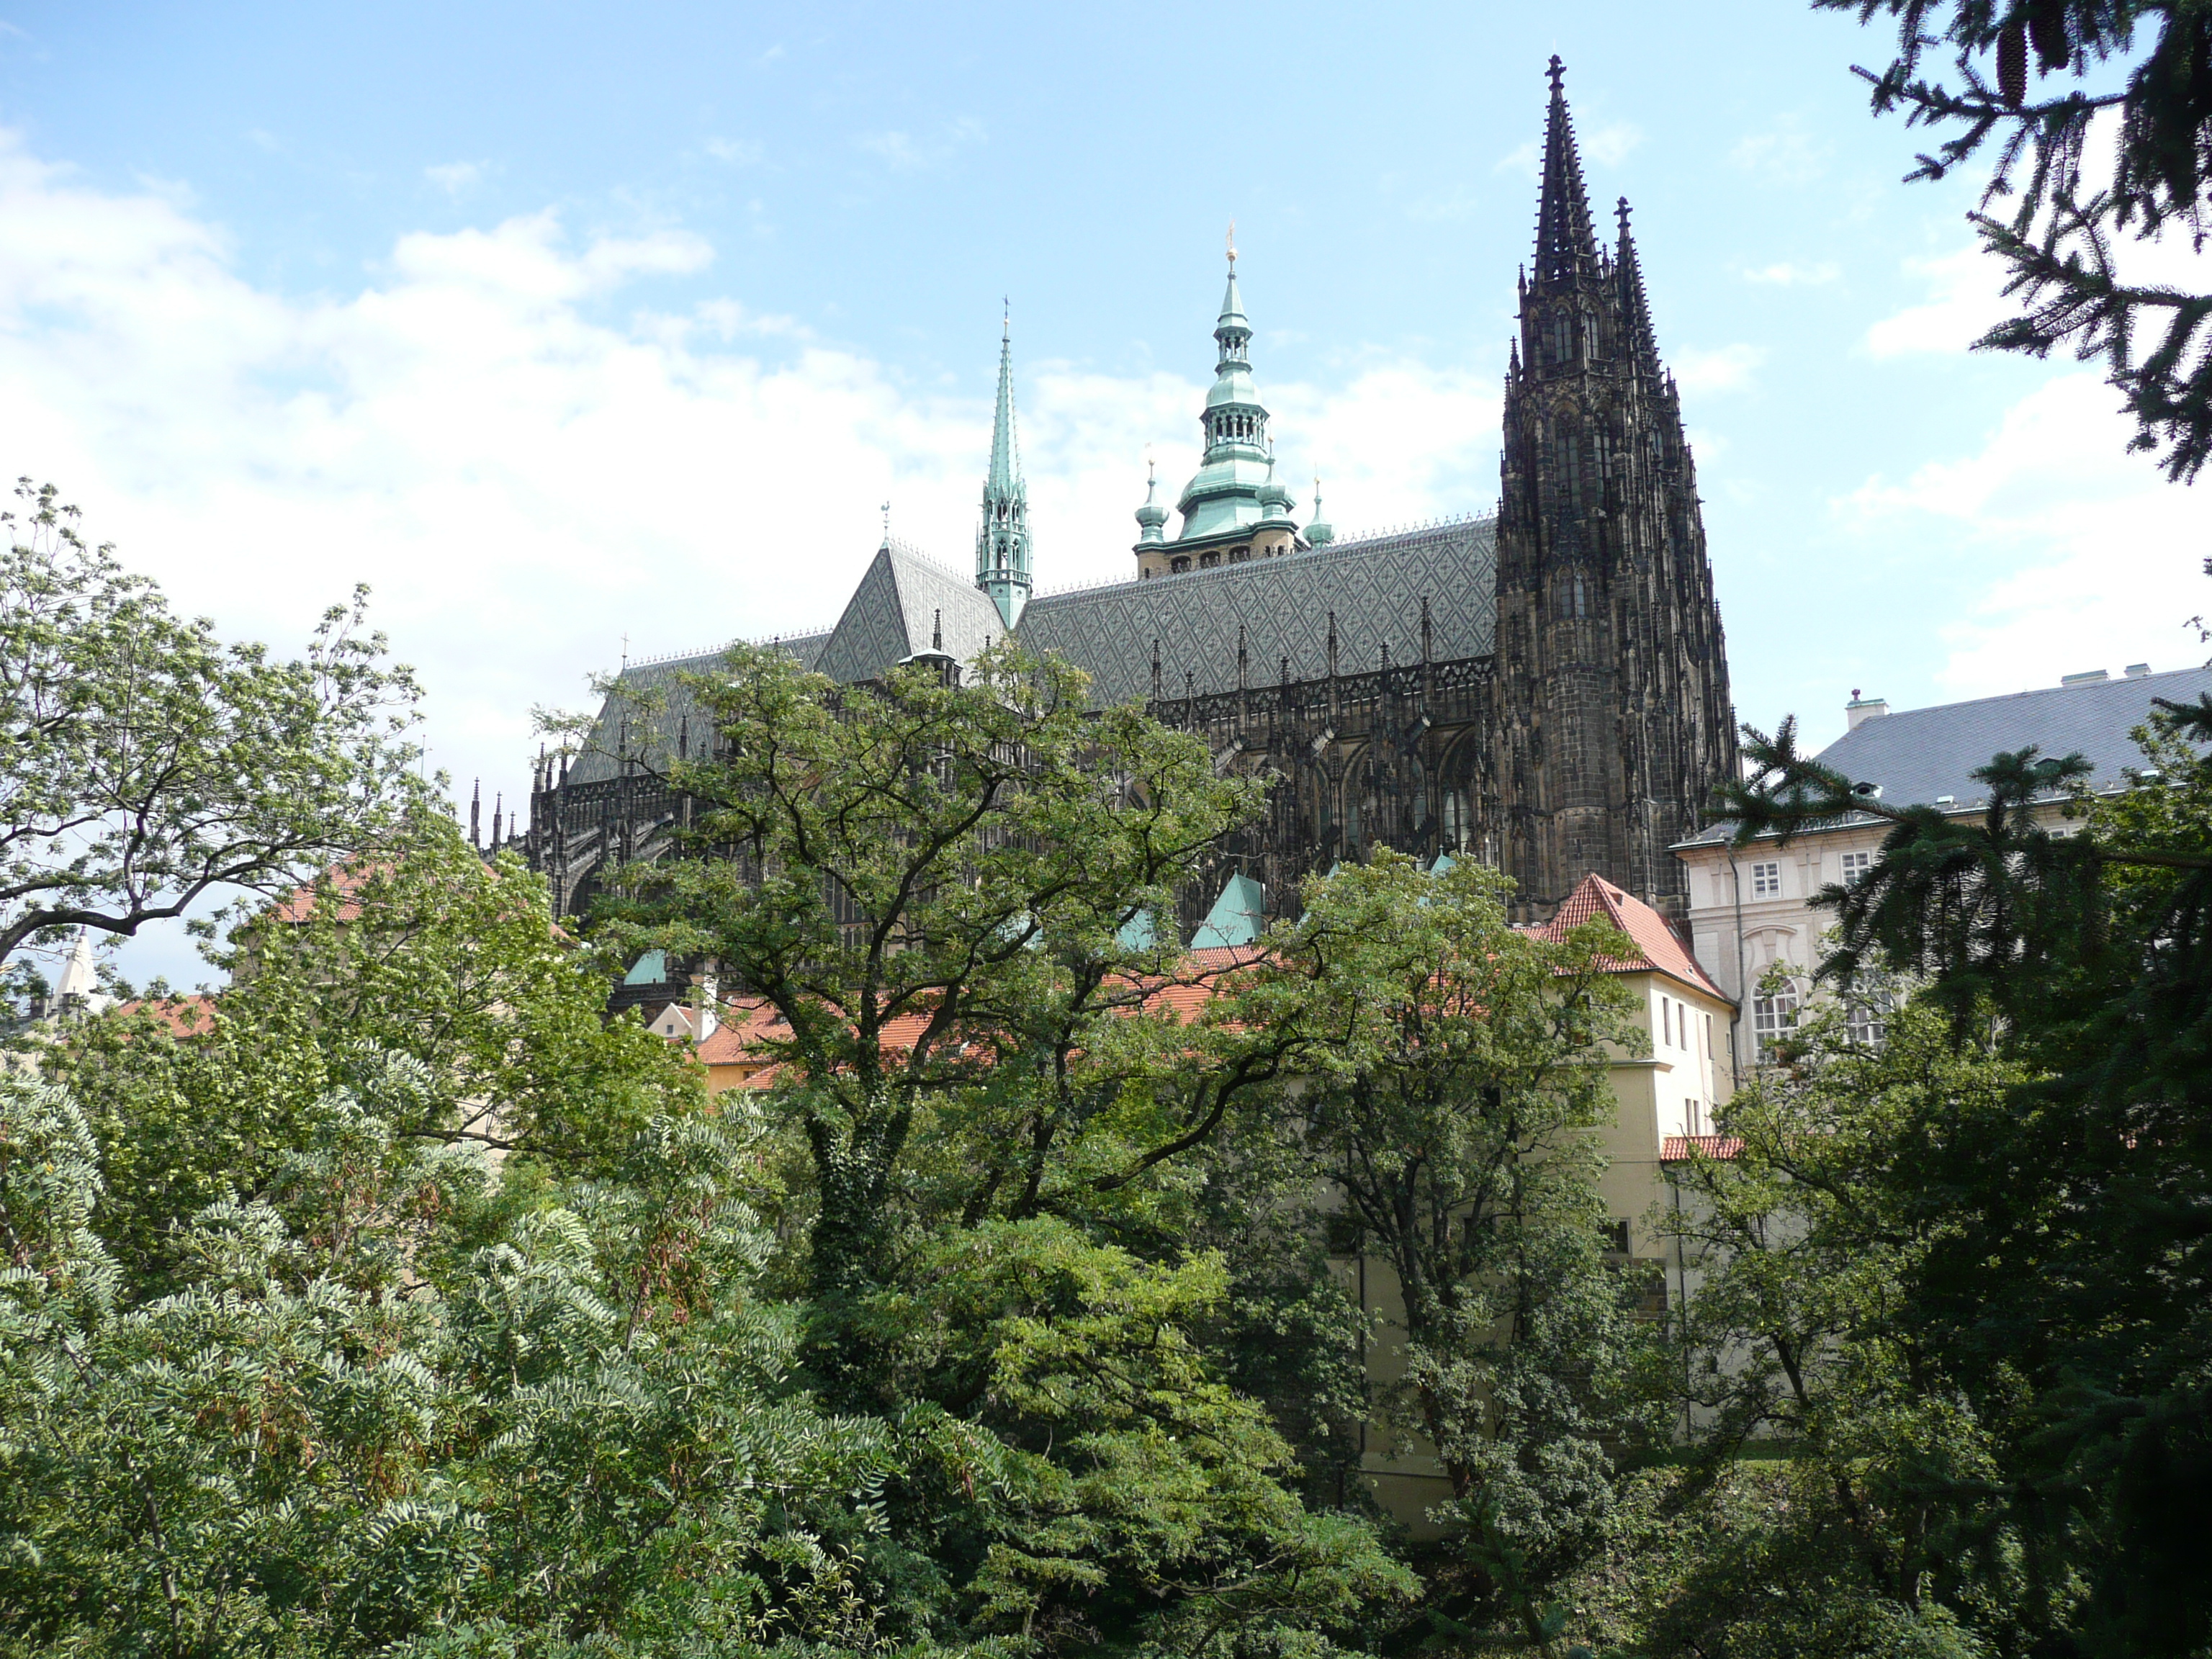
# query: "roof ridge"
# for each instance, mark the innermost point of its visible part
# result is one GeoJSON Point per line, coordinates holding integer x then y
{"type": "Point", "coordinates": [2029, 691]}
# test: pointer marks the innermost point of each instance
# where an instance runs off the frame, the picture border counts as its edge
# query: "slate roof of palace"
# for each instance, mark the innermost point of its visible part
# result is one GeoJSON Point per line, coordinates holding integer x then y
{"type": "Point", "coordinates": [1373, 587]}
{"type": "Point", "coordinates": [1917, 754]}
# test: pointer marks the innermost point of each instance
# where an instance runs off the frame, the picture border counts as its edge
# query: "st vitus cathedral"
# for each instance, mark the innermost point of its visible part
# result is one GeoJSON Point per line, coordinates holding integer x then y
{"type": "Point", "coordinates": [1545, 690]}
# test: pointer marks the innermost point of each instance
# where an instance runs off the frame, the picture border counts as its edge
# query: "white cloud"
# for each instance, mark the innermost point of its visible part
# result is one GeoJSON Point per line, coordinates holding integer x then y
{"type": "Point", "coordinates": [2094, 559]}
{"type": "Point", "coordinates": [456, 178]}
{"type": "Point", "coordinates": [523, 483]}
{"type": "Point", "coordinates": [737, 152]}
{"type": "Point", "coordinates": [1968, 299]}
{"type": "Point", "coordinates": [1527, 160]}
{"type": "Point", "coordinates": [903, 152]}
{"type": "Point", "coordinates": [1611, 143]}
{"type": "Point", "coordinates": [1722, 368]}
{"type": "Point", "coordinates": [1786, 154]}
{"type": "Point", "coordinates": [1607, 144]}
{"type": "Point", "coordinates": [1785, 274]}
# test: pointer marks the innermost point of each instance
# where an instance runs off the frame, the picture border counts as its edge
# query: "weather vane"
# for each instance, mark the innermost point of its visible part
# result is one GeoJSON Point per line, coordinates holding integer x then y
{"type": "Point", "coordinates": [1232, 244]}
{"type": "Point", "coordinates": [887, 524]}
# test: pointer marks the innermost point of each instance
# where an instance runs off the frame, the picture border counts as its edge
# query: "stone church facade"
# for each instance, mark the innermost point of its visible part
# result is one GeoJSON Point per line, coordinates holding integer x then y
{"type": "Point", "coordinates": [1544, 689]}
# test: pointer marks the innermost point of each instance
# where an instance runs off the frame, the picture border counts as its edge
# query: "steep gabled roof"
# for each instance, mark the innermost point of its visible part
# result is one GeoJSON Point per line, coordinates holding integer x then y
{"type": "Point", "coordinates": [905, 603]}
{"type": "Point", "coordinates": [1658, 948]}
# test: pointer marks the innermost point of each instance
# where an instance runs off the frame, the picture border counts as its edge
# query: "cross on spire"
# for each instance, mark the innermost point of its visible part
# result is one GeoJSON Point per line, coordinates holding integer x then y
{"type": "Point", "coordinates": [1564, 246]}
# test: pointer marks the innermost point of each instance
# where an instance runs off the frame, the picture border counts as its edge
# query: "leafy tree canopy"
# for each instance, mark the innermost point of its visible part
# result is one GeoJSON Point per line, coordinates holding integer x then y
{"type": "Point", "coordinates": [143, 764]}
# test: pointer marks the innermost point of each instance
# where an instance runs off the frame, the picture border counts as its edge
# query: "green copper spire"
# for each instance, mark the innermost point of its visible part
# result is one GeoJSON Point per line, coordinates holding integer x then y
{"type": "Point", "coordinates": [1224, 498]}
{"type": "Point", "coordinates": [1319, 532]}
{"type": "Point", "coordinates": [1002, 545]}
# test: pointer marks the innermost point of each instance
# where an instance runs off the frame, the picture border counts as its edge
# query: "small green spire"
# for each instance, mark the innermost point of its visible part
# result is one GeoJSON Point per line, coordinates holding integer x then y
{"type": "Point", "coordinates": [1151, 515]}
{"type": "Point", "coordinates": [1319, 533]}
{"type": "Point", "coordinates": [1002, 545]}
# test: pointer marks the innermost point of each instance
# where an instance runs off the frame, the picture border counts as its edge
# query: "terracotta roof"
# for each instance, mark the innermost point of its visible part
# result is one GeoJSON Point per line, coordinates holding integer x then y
{"type": "Point", "coordinates": [1659, 948]}
{"type": "Point", "coordinates": [746, 1022]}
{"type": "Point", "coordinates": [1676, 1149]}
{"type": "Point", "coordinates": [191, 1015]}
{"type": "Point", "coordinates": [348, 879]}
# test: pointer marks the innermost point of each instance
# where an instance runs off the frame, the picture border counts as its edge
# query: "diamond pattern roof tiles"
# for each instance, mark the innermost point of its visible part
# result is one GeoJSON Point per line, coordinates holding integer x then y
{"type": "Point", "coordinates": [1374, 588]}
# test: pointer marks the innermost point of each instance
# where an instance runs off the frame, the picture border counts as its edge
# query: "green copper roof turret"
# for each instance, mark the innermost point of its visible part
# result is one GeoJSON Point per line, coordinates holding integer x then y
{"type": "Point", "coordinates": [1002, 545]}
{"type": "Point", "coordinates": [1151, 515]}
{"type": "Point", "coordinates": [1319, 533]}
{"type": "Point", "coordinates": [1223, 499]}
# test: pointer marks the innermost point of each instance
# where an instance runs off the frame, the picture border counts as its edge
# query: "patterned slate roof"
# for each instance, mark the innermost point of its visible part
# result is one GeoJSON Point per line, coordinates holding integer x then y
{"type": "Point", "coordinates": [1917, 754]}
{"type": "Point", "coordinates": [1373, 585]}
{"type": "Point", "coordinates": [1374, 588]}
{"type": "Point", "coordinates": [896, 611]}
{"type": "Point", "coordinates": [598, 762]}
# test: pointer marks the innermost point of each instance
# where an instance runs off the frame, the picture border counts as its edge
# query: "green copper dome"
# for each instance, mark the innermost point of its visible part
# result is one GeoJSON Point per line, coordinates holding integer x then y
{"type": "Point", "coordinates": [1223, 499]}
{"type": "Point", "coordinates": [1319, 533]}
{"type": "Point", "coordinates": [1151, 515]}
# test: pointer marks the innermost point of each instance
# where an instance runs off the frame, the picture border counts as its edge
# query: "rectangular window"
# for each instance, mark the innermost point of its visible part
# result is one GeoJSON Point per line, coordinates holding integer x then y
{"type": "Point", "coordinates": [1855, 866]}
{"type": "Point", "coordinates": [1667, 1020]}
{"type": "Point", "coordinates": [1694, 1115]}
{"type": "Point", "coordinates": [1866, 1016]}
{"type": "Point", "coordinates": [1766, 881]}
{"type": "Point", "coordinates": [1771, 1017]}
{"type": "Point", "coordinates": [1616, 1238]}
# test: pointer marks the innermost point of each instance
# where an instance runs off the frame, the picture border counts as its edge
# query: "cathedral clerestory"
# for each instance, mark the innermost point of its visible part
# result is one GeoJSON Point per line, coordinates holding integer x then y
{"type": "Point", "coordinates": [1544, 689]}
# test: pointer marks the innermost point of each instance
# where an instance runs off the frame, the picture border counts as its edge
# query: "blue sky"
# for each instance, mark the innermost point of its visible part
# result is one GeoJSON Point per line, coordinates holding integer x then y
{"type": "Point", "coordinates": [561, 324]}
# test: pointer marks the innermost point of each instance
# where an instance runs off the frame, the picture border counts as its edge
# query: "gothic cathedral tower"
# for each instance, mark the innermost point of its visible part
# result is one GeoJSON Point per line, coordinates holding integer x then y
{"type": "Point", "coordinates": [1613, 712]}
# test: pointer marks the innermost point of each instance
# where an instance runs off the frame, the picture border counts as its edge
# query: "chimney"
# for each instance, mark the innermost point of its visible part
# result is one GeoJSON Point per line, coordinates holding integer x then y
{"type": "Point", "coordinates": [2091, 677]}
{"type": "Point", "coordinates": [1860, 710]}
{"type": "Point", "coordinates": [2136, 671]}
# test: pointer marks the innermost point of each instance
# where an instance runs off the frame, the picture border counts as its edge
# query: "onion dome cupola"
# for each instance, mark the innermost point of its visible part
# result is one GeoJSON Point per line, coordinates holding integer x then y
{"type": "Point", "coordinates": [1319, 532]}
{"type": "Point", "coordinates": [1002, 545]}
{"type": "Point", "coordinates": [1151, 516]}
{"type": "Point", "coordinates": [1275, 503]}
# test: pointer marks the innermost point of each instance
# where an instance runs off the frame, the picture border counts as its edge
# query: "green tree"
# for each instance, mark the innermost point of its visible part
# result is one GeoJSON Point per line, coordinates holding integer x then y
{"type": "Point", "coordinates": [2065, 1297]}
{"type": "Point", "coordinates": [1459, 1071]}
{"type": "Point", "coordinates": [2146, 64]}
{"type": "Point", "coordinates": [1810, 1240]}
{"type": "Point", "coordinates": [143, 764]}
{"type": "Point", "coordinates": [393, 1405]}
{"type": "Point", "coordinates": [945, 893]}
{"type": "Point", "coordinates": [425, 951]}
{"type": "Point", "coordinates": [1008, 1086]}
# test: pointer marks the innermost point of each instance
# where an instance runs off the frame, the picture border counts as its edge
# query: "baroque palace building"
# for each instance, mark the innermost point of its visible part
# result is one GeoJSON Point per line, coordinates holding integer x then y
{"type": "Point", "coordinates": [1544, 689]}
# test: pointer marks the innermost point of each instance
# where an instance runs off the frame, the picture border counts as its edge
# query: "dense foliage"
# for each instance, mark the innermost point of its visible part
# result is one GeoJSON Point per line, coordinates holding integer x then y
{"type": "Point", "coordinates": [396, 1300]}
{"type": "Point", "coordinates": [2023, 1181]}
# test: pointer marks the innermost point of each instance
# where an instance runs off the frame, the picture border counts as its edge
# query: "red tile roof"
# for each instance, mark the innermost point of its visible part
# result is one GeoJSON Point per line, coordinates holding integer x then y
{"type": "Point", "coordinates": [1659, 948]}
{"type": "Point", "coordinates": [191, 1015]}
{"type": "Point", "coordinates": [746, 1022]}
{"type": "Point", "coordinates": [1676, 1149]}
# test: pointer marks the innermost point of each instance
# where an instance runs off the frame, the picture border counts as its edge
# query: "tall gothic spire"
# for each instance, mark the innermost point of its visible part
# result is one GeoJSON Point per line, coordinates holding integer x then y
{"type": "Point", "coordinates": [1635, 307]}
{"type": "Point", "coordinates": [1565, 247]}
{"type": "Point", "coordinates": [1002, 545]}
